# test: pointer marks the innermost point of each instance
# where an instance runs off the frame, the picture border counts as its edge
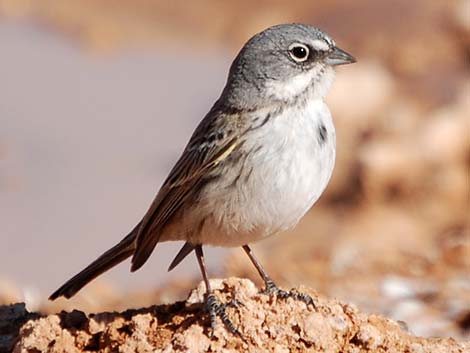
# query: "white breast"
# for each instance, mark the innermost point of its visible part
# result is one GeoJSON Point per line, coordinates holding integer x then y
{"type": "Point", "coordinates": [287, 171]}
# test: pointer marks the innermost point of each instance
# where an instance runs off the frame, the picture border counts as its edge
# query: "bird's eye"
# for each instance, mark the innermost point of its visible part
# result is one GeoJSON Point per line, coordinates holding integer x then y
{"type": "Point", "coordinates": [299, 52]}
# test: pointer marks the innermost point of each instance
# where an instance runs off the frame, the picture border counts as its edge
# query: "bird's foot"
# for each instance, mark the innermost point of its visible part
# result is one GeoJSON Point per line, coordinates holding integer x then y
{"type": "Point", "coordinates": [272, 289]}
{"type": "Point", "coordinates": [216, 308]}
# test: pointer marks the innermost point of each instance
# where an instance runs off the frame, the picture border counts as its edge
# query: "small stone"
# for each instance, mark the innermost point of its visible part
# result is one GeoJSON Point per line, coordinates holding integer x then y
{"type": "Point", "coordinates": [397, 288]}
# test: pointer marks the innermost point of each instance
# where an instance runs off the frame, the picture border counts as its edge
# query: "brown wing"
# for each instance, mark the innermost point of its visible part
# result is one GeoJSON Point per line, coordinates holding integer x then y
{"type": "Point", "coordinates": [208, 147]}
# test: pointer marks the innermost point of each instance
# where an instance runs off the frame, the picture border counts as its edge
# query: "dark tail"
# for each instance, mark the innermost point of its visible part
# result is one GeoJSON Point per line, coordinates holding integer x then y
{"type": "Point", "coordinates": [118, 253]}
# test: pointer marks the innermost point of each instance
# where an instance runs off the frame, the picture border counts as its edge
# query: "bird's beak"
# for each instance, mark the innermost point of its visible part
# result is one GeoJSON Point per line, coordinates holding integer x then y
{"type": "Point", "coordinates": [339, 57]}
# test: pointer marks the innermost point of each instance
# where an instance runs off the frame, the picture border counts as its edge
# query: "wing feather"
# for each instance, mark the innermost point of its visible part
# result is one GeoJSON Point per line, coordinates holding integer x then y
{"type": "Point", "coordinates": [182, 185]}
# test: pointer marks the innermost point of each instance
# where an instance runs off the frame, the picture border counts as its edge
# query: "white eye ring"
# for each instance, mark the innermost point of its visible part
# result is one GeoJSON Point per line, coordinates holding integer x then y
{"type": "Point", "coordinates": [299, 52]}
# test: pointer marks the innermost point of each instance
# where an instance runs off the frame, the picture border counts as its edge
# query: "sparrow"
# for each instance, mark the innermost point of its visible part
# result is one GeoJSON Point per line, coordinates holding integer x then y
{"type": "Point", "coordinates": [257, 162]}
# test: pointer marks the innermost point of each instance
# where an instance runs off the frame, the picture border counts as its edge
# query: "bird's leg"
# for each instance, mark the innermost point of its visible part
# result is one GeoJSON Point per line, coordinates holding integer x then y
{"type": "Point", "coordinates": [270, 287]}
{"type": "Point", "coordinates": [213, 305]}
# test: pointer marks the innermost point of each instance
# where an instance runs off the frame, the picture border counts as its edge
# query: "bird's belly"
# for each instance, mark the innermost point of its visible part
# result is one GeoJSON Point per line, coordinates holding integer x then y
{"type": "Point", "coordinates": [287, 170]}
{"type": "Point", "coordinates": [286, 185]}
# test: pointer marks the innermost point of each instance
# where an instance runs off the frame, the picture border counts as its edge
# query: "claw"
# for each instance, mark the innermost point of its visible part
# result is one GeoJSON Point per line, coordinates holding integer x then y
{"type": "Point", "coordinates": [272, 289]}
{"type": "Point", "coordinates": [217, 309]}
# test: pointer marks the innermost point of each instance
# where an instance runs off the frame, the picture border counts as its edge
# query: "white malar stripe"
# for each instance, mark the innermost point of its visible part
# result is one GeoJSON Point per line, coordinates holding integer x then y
{"type": "Point", "coordinates": [287, 90]}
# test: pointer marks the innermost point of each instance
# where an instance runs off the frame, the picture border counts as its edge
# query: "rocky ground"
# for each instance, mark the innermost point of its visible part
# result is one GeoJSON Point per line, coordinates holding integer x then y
{"type": "Point", "coordinates": [267, 324]}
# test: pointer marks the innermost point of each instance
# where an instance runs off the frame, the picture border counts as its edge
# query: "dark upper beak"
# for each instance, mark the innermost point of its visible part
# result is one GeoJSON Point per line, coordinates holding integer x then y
{"type": "Point", "coordinates": [339, 57]}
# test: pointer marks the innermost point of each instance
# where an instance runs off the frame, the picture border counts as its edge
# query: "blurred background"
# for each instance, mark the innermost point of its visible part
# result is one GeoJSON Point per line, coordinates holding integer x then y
{"type": "Point", "coordinates": [99, 97]}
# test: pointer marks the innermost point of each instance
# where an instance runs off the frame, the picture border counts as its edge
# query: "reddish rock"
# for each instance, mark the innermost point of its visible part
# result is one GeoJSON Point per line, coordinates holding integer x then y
{"type": "Point", "coordinates": [267, 324]}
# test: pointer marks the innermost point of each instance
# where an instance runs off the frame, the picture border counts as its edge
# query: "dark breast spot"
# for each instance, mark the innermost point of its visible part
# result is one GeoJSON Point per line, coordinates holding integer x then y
{"type": "Point", "coordinates": [322, 134]}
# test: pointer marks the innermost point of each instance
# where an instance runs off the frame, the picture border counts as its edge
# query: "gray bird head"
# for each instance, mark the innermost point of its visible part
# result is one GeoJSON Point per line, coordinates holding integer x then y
{"type": "Point", "coordinates": [281, 64]}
